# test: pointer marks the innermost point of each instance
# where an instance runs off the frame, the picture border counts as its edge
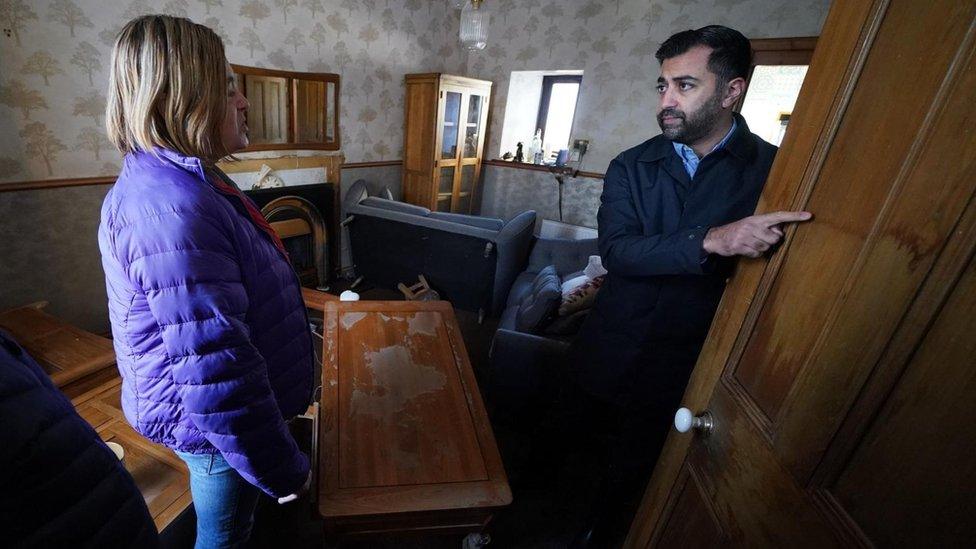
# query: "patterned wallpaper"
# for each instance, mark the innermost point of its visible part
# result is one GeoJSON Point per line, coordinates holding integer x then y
{"type": "Point", "coordinates": [54, 63]}
{"type": "Point", "coordinates": [613, 42]}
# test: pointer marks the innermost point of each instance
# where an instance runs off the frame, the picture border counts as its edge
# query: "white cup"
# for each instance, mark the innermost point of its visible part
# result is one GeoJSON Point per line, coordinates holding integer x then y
{"type": "Point", "coordinates": [348, 295]}
{"type": "Point", "coordinates": [118, 449]}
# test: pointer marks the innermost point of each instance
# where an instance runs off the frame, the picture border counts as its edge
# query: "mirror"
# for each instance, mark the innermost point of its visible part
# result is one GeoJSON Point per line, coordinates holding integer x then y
{"type": "Point", "coordinates": [290, 110]}
{"type": "Point", "coordinates": [267, 118]}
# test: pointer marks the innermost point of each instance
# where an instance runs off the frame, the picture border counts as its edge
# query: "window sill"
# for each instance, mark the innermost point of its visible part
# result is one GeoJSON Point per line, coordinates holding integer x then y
{"type": "Point", "coordinates": [558, 170]}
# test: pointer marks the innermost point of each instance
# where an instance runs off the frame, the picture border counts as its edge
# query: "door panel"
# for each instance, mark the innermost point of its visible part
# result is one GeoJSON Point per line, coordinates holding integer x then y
{"type": "Point", "coordinates": [693, 523]}
{"type": "Point", "coordinates": [872, 130]}
{"type": "Point", "coordinates": [841, 381]}
{"type": "Point", "coordinates": [890, 498]}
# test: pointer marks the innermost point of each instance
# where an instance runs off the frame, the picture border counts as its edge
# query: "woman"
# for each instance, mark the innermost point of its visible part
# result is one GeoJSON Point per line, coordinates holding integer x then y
{"type": "Point", "coordinates": [207, 316]}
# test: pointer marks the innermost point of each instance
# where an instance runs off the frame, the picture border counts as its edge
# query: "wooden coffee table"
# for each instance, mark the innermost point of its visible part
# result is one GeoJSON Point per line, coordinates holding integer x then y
{"type": "Point", "coordinates": [404, 441]}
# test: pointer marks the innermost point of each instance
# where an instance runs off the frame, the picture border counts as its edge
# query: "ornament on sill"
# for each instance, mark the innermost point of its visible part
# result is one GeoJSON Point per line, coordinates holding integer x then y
{"type": "Point", "coordinates": [267, 179]}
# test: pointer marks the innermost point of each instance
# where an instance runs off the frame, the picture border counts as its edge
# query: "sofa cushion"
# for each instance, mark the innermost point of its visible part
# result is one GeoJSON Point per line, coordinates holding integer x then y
{"type": "Point", "coordinates": [506, 321]}
{"type": "Point", "coordinates": [520, 288]}
{"type": "Point", "coordinates": [581, 298]}
{"type": "Point", "coordinates": [536, 308]}
{"type": "Point", "coordinates": [573, 281]}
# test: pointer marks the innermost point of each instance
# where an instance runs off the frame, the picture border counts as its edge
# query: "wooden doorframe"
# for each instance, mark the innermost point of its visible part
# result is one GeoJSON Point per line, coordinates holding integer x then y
{"type": "Point", "coordinates": [837, 63]}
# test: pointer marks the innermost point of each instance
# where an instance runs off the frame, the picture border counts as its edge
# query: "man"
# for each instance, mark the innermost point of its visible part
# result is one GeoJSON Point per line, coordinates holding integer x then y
{"type": "Point", "coordinates": [60, 485]}
{"type": "Point", "coordinates": [674, 213]}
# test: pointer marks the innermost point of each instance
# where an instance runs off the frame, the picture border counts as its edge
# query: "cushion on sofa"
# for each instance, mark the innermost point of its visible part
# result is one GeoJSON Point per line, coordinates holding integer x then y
{"type": "Point", "coordinates": [538, 306]}
{"type": "Point", "coordinates": [581, 298]}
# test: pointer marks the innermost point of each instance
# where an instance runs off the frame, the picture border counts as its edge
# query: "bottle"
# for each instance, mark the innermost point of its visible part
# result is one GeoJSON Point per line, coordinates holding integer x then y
{"type": "Point", "coordinates": [537, 147]}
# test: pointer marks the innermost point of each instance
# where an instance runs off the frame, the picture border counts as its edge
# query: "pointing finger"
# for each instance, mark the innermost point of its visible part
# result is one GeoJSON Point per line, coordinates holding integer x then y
{"type": "Point", "coordinates": [783, 217]}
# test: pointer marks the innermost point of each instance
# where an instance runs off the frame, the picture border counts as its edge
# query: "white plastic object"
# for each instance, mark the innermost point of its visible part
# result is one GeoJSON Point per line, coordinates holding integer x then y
{"type": "Point", "coordinates": [348, 295]}
{"type": "Point", "coordinates": [683, 420]}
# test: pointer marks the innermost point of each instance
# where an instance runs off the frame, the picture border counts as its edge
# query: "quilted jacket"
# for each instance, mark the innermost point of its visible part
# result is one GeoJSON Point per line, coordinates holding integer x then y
{"type": "Point", "coordinates": [60, 486]}
{"type": "Point", "coordinates": [208, 321]}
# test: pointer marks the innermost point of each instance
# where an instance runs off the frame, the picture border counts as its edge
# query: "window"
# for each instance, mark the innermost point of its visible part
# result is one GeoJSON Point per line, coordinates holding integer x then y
{"type": "Point", "coordinates": [779, 68]}
{"type": "Point", "coordinates": [543, 100]}
{"type": "Point", "coordinates": [557, 110]}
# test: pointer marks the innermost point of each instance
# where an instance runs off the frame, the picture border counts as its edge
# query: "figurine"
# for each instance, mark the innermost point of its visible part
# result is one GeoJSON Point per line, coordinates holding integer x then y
{"type": "Point", "coordinates": [518, 152]}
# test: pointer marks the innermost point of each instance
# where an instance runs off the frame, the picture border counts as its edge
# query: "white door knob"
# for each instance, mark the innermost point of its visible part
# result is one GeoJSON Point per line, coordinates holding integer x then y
{"type": "Point", "coordinates": [685, 421]}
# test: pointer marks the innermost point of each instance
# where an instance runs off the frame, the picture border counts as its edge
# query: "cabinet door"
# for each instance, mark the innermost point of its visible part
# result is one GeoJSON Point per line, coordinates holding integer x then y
{"type": "Point", "coordinates": [476, 117]}
{"type": "Point", "coordinates": [448, 137]}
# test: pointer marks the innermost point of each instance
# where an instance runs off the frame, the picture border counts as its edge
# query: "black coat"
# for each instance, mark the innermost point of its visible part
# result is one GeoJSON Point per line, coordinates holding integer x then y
{"type": "Point", "coordinates": [60, 485]}
{"type": "Point", "coordinates": [652, 314]}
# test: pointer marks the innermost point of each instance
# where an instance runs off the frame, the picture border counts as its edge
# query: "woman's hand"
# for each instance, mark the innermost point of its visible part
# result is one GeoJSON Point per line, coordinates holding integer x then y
{"type": "Point", "coordinates": [302, 490]}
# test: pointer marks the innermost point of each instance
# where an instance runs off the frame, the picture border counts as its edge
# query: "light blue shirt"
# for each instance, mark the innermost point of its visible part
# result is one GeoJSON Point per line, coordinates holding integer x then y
{"type": "Point", "coordinates": [690, 159]}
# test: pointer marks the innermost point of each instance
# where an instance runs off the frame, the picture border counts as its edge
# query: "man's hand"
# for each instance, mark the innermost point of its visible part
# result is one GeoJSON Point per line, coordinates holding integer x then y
{"type": "Point", "coordinates": [750, 236]}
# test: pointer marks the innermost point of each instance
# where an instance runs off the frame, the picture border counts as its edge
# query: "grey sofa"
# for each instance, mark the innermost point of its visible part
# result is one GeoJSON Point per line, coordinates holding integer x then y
{"type": "Point", "coordinates": [472, 261]}
{"type": "Point", "coordinates": [523, 364]}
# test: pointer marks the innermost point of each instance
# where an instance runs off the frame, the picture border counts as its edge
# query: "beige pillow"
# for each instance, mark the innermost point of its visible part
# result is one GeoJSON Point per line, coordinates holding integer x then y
{"type": "Point", "coordinates": [580, 298]}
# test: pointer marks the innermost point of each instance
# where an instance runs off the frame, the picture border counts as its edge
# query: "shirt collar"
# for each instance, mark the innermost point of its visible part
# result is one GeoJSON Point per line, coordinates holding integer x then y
{"type": "Point", "coordinates": [689, 153]}
{"type": "Point", "coordinates": [738, 142]}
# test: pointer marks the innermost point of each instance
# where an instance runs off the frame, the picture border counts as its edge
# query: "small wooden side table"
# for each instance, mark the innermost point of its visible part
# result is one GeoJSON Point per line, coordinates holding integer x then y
{"type": "Point", "coordinates": [159, 474]}
{"type": "Point", "coordinates": [404, 439]}
{"type": "Point", "coordinates": [67, 353]}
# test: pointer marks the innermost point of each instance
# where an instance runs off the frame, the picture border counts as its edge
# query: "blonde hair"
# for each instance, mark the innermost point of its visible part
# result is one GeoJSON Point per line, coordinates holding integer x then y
{"type": "Point", "coordinates": [167, 88]}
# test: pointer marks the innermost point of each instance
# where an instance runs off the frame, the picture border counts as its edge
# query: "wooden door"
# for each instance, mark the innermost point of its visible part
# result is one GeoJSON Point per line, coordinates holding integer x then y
{"type": "Point", "coordinates": [420, 137]}
{"type": "Point", "coordinates": [840, 374]}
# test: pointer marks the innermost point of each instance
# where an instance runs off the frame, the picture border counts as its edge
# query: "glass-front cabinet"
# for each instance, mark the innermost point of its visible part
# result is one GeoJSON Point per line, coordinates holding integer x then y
{"type": "Point", "coordinates": [442, 163]}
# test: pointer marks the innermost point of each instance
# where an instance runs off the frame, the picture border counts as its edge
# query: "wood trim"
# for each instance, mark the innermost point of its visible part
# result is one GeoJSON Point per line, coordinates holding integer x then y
{"type": "Point", "coordinates": [783, 44]}
{"type": "Point", "coordinates": [281, 163]}
{"type": "Point", "coordinates": [537, 168]}
{"type": "Point", "coordinates": [227, 167]}
{"type": "Point", "coordinates": [56, 183]}
{"type": "Point", "coordinates": [378, 164]}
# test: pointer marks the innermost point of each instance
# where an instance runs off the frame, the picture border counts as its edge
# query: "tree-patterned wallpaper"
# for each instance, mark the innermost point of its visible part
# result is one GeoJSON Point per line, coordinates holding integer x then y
{"type": "Point", "coordinates": [613, 42]}
{"type": "Point", "coordinates": [54, 57]}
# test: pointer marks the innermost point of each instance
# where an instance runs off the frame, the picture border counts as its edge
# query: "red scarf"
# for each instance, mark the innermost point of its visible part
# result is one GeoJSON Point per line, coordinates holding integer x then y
{"type": "Point", "coordinates": [256, 216]}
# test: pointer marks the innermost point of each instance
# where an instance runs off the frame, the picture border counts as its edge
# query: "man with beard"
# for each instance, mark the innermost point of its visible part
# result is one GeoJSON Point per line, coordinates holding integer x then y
{"type": "Point", "coordinates": [675, 212]}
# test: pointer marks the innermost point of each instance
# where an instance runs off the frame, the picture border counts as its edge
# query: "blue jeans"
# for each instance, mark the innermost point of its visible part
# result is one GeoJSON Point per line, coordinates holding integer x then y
{"type": "Point", "coordinates": [223, 500]}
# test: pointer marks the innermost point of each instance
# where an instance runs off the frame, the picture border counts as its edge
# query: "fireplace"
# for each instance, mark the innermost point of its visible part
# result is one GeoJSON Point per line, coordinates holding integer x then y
{"type": "Point", "coordinates": [305, 218]}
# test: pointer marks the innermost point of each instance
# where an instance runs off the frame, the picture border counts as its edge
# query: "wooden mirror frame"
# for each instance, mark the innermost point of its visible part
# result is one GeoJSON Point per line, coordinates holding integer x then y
{"type": "Point", "coordinates": [291, 77]}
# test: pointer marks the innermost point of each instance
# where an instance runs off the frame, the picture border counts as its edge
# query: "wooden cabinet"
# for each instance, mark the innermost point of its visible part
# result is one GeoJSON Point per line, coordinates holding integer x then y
{"type": "Point", "coordinates": [444, 138]}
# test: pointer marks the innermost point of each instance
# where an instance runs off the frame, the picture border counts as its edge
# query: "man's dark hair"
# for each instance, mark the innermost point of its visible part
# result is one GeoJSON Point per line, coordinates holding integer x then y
{"type": "Point", "coordinates": [731, 54]}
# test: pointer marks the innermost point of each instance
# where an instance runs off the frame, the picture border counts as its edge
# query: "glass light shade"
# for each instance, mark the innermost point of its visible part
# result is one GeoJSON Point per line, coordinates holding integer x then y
{"type": "Point", "coordinates": [474, 25]}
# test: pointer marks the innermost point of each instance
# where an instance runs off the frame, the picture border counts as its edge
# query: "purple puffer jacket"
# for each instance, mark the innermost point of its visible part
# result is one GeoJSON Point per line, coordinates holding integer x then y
{"type": "Point", "coordinates": [210, 328]}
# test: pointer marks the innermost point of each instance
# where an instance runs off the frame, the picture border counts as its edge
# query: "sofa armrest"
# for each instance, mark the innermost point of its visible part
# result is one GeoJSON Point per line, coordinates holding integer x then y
{"type": "Point", "coordinates": [514, 241]}
{"type": "Point", "coordinates": [523, 369]}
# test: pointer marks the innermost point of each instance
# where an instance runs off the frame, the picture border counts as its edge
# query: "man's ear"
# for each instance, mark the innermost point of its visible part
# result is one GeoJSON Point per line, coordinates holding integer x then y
{"type": "Point", "coordinates": [733, 91]}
